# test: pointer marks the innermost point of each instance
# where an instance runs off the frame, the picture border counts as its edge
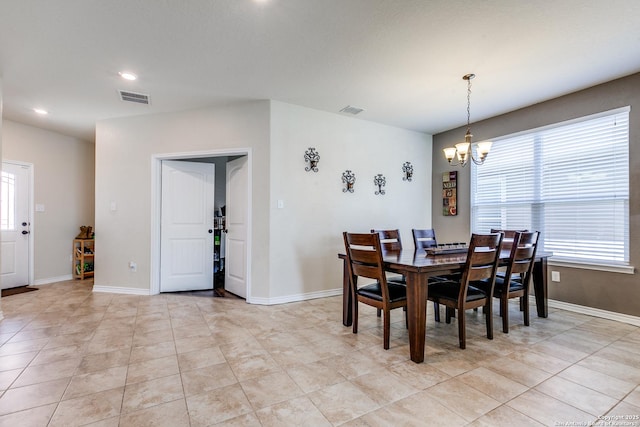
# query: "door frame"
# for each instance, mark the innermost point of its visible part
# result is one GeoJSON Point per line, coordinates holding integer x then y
{"type": "Point", "coordinates": [156, 207]}
{"type": "Point", "coordinates": [31, 213]}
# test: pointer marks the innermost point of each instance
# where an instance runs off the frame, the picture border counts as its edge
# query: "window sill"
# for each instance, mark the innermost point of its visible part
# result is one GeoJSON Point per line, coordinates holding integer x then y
{"type": "Point", "coordinates": [611, 268]}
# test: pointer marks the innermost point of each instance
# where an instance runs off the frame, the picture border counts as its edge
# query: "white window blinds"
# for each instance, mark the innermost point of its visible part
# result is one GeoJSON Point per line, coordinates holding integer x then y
{"type": "Point", "coordinates": [569, 181]}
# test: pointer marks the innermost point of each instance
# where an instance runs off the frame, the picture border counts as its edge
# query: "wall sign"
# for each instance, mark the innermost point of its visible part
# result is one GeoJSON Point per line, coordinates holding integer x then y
{"type": "Point", "coordinates": [450, 193]}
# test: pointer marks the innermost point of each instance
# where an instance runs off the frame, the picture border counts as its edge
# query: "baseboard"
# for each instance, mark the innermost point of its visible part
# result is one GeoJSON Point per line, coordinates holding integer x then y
{"type": "Point", "coordinates": [296, 298]}
{"type": "Point", "coordinates": [596, 312]}
{"type": "Point", "coordinates": [120, 290]}
{"type": "Point", "coordinates": [50, 280]}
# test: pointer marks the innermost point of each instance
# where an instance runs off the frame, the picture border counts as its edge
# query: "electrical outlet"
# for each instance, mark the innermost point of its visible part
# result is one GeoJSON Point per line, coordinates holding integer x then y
{"type": "Point", "coordinates": [555, 276]}
{"type": "Point", "coordinates": [133, 266]}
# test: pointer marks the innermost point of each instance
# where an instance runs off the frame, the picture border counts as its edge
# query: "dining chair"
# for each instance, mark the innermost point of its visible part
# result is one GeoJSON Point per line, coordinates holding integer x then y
{"type": "Point", "coordinates": [424, 238]}
{"type": "Point", "coordinates": [475, 287]}
{"type": "Point", "coordinates": [390, 241]}
{"type": "Point", "coordinates": [514, 283]}
{"type": "Point", "coordinates": [364, 259]}
{"type": "Point", "coordinates": [508, 236]}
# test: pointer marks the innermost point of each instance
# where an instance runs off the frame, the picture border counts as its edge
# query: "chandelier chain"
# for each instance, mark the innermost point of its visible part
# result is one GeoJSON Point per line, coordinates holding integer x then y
{"type": "Point", "coordinates": [468, 102]}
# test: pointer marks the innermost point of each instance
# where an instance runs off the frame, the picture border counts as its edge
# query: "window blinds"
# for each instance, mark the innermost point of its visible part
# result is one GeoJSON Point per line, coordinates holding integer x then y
{"type": "Point", "coordinates": [569, 181]}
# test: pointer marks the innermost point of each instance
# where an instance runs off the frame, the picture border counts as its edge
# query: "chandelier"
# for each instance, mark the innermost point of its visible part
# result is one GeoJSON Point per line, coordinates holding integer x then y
{"type": "Point", "coordinates": [463, 151]}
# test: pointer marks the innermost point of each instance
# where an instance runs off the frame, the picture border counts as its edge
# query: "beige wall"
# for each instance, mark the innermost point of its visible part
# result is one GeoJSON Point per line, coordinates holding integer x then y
{"type": "Point", "coordinates": [1, 315]}
{"type": "Point", "coordinates": [294, 249]}
{"type": "Point", "coordinates": [306, 234]}
{"type": "Point", "coordinates": [63, 169]}
{"type": "Point", "coordinates": [124, 150]}
{"type": "Point", "coordinates": [615, 292]}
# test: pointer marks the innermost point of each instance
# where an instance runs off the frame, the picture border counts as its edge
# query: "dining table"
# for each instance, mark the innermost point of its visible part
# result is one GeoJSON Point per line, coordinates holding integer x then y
{"type": "Point", "coordinates": [417, 267]}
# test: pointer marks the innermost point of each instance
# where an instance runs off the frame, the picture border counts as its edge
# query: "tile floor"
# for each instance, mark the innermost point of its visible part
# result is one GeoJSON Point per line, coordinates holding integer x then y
{"type": "Point", "coordinates": [69, 357]}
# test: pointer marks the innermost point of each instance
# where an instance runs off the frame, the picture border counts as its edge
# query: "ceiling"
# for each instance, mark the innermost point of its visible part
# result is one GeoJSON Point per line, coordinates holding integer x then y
{"type": "Point", "coordinates": [400, 60]}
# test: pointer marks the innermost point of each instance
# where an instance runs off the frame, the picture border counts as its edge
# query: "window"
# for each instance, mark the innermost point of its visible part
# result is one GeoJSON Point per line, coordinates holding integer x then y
{"type": "Point", "coordinates": [570, 181]}
{"type": "Point", "coordinates": [8, 211]}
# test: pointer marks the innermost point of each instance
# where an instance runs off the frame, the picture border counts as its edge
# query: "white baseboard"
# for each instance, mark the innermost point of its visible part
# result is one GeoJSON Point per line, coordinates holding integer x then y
{"type": "Point", "coordinates": [295, 298]}
{"type": "Point", "coordinates": [50, 280]}
{"type": "Point", "coordinates": [120, 290]}
{"type": "Point", "coordinates": [596, 312]}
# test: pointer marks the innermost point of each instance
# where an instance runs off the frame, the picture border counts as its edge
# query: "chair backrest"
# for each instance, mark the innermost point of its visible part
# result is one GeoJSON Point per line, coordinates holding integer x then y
{"type": "Point", "coordinates": [522, 255]}
{"type": "Point", "coordinates": [509, 234]}
{"type": "Point", "coordinates": [424, 238]}
{"type": "Point", "coordinates": [389, 240]}
{"type": "Point", "coordinates": [364, 258]}
{"type": "Point", "coordinates": [482, 261]}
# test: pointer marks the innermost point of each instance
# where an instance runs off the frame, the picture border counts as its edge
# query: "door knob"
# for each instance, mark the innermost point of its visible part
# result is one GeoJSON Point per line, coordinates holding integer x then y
{"type": "Point", "coordinates": [210, 231]}
{"type": "Point", "coordinates": [24, 224]}
{"type": "Point", "coordinates": [25, 232]}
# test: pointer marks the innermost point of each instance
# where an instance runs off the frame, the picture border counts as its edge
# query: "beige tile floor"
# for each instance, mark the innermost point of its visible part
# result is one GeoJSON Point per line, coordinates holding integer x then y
{"type": "Point", "coordinates": [71, 357]}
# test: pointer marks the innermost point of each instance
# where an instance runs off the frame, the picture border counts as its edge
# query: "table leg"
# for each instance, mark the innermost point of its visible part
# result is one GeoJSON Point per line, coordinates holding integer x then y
{"type": "Point", "coordinates": [347, 315]}
{"type": "Point", "coordinates": [417, 314]}
{"type": "Point", "coordinates": [540, 287]}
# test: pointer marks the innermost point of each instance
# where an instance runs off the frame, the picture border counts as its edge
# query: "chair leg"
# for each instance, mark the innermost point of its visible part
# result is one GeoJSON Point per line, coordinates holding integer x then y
{"type": "Point", "coordinates": [436, 311]}
{"type": "Point", "coordinates": [387, 329]}
{"type": "Point", "coordinates": [522, 301]}
{"type": "Point", "coordinates": [379, 312]}
{"type": "Point", "coordinates": [504, 312]}
{"type": "Point", "coordinates": [462, 335]}
{"type": "Point", "coordinates": [354, 312]}
{"type": "Point", "coordinates": [489, 318]}
{"type": "Point", "coordinates": [449, 314]}
{"type": "Point", "coordinates": [525, 313]}
{"type": "Point", "coordinates": [406, 318]}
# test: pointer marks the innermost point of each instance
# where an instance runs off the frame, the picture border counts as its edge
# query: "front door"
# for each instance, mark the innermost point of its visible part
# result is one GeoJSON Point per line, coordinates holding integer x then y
{"type": "Point", "coordinates": [15, 225]}
{"type": "Point", "coordinates": [186, 235]}
{"type": "Point", "coordinates": [235, 280]}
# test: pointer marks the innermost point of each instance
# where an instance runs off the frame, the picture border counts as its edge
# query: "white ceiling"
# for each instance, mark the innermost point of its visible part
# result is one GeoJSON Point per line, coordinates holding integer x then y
{"type": "Point", "coordinates": [400, 60]}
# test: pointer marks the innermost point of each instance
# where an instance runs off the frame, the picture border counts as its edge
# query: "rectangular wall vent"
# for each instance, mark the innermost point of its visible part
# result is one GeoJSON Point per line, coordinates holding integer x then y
{"type": "Point", "coordinates": [349, 109]}
{"type": "Point", "coordinates": [138, 98]}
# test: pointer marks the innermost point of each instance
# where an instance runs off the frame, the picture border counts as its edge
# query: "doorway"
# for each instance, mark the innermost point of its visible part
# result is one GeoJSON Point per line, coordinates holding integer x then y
{"type": "Point", "coordinates": [239, 260]}
{"type": "Point", "coordinates": [16, 225]}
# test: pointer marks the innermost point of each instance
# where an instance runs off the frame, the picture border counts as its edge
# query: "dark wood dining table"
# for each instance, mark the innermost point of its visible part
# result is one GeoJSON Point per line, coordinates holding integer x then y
{"type": "Point", "coordinates": [417, 267]}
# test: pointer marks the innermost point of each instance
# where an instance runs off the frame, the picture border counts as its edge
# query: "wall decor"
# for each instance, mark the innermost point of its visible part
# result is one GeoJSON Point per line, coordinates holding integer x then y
{"type": "Point", "coordinates": [348, 178]}
{"type": "Point", "coordinates": [380, 181]}
{"type": "Point", "coordinates": [312, 157]}
{"type": "Point", "coordinates": [450, 193]}
{"type": "Point", "coordinates": [407, 168]}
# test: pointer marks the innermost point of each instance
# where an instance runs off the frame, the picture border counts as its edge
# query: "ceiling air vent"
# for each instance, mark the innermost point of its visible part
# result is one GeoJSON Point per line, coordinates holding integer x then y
{"type": "Point", "coordinates": [139, 98]}
{"type": "Point", "coordinates": [349, 109]}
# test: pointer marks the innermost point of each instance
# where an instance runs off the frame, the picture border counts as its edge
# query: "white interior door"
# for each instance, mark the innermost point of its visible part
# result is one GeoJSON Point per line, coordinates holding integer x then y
{"type": "Point", "coordinates": [15, 225]}
{"type": "Point", "coordinates": [235, 279]}
{"type": "Point", "coordinates": [186, 238]}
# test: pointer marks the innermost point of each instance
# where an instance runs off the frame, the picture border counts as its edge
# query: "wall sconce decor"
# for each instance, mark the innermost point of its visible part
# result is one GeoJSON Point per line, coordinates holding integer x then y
{"type": "Point", "coordinates": [312, 157]}
{"type": "Point", "coordinates": [407, 168]}
{"type": "Point", "coordinates": [380, 181]}
{"type": "Point", "coordinates": [348, 178]}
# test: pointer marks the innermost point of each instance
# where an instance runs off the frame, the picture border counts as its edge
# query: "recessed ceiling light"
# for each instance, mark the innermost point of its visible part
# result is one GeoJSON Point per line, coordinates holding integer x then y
{"type": "Point", "coordinates": [127, 75]}
{"type": "Point", "coordinates": [41, 111]}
